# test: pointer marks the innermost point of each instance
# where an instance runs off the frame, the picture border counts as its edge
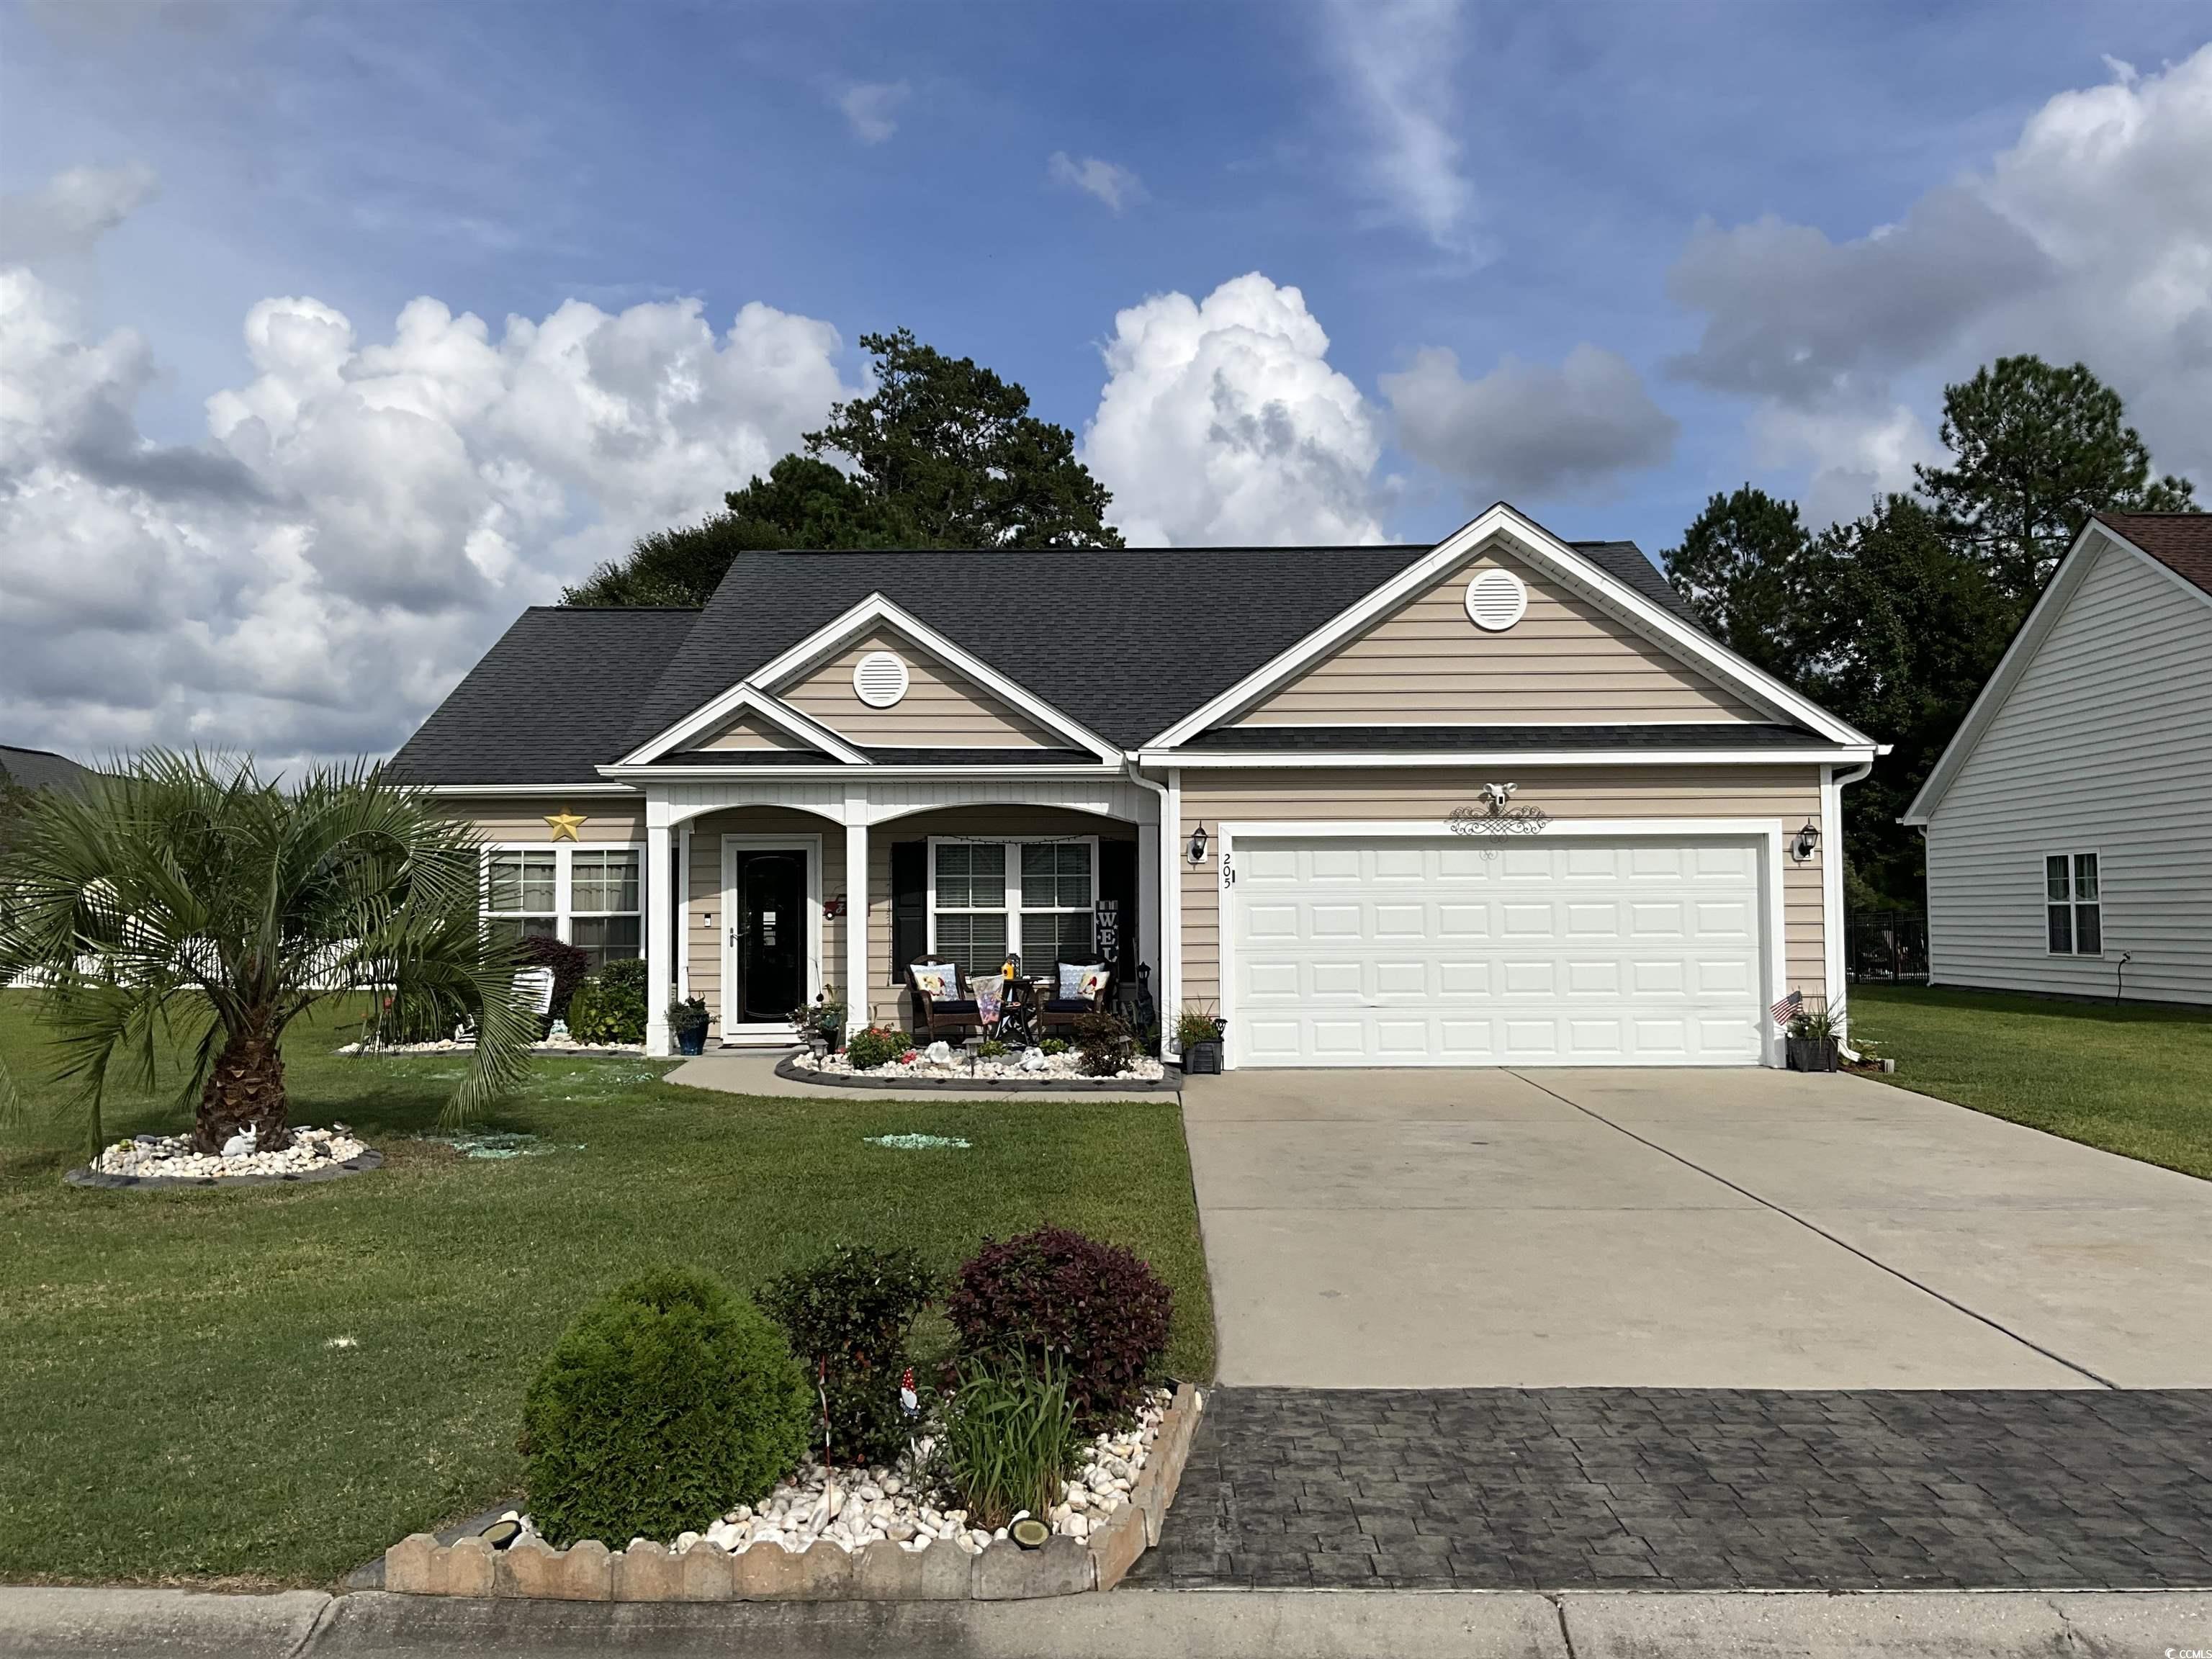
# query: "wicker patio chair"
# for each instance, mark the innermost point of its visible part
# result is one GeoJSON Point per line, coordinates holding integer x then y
{"type": "Point", "coordinates": [950, 1018]}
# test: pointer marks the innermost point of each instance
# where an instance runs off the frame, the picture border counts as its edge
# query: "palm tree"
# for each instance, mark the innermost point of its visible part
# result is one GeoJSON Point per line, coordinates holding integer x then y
{"type": "Point", "coordinates": [184, 898]}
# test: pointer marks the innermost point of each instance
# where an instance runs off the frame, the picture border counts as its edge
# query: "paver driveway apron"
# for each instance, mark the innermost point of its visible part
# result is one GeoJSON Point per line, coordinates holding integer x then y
{"type": "Point", "coordinates": [1684, 1229]}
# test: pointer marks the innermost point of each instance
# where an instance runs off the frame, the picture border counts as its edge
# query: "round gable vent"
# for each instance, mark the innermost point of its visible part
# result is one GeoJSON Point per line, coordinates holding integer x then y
{"type": "Point", "coordinates": [880, 680]}
{"type": "Point", "coordinates": [1497, 599]}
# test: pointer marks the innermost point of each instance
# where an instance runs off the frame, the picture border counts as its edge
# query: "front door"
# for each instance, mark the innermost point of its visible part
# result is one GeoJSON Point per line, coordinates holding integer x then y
{"type": "Point", "coordinates": [768, 935]}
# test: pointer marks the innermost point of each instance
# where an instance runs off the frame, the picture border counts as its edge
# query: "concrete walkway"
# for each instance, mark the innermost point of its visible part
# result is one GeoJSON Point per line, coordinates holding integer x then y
{"type": "Point", "coordinates": [1681, 1229]}
{"type": "Point", "coordinates": [49, 1624]}
{"type": "Point", "coordinates": [753, 1072]}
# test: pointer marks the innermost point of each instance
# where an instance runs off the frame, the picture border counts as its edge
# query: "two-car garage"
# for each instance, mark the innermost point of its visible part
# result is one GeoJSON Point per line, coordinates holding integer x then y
{"type": "Point", "coordinates": [1376, 948]}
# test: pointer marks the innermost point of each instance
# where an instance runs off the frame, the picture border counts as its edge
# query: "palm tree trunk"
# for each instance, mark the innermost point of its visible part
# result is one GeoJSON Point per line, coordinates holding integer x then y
{"type": "Point", "coordinates": [245, 1091]}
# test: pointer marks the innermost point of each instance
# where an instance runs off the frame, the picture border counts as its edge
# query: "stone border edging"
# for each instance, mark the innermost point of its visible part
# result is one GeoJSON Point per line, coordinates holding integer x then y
{"type": "Point", "coordinates": [334, 1170]}
{"type": "Point", "coordinates": [881, 1571]}
{"type": "Point", "coordinates": [788, 1069]}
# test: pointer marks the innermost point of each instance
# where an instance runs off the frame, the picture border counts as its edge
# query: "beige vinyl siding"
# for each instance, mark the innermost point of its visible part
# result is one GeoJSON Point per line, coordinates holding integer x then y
{"type": "Point", "coordinates": [510, 819]}
{"type": "Point", "coordinates": [1791, 794]}
{"type": "Point", "coordinates": [749, 731]}
{"type": "Point", "coordinates": [706, 907]}
{"type": "Point", "coordinates": [2104, 745]}
{"type": "Point", "coordinates": [1565, 662]}
{"type": "Point", "coordinates": [887, 997]}
{"type": "Point", "coordinates": [942, 708]}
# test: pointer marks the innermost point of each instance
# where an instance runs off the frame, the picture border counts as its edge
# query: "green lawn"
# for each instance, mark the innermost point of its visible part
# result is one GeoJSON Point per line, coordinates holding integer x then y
{"type": "Point", "coordinates": [2131, 1079]}
{"type": "Point", "coordinates": [175, 1406]}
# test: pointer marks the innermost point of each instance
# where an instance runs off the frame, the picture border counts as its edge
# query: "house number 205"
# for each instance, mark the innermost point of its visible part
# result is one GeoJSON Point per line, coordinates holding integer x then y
{"type": "Point", "coordinates": [1228, 870]}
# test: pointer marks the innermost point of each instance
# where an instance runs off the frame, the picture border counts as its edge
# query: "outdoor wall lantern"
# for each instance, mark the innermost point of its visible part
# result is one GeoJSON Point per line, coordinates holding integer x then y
{"type": "Point", "coordinates": [1198, 845]}
{"type": "Point", "coordinates": [1807, 842]}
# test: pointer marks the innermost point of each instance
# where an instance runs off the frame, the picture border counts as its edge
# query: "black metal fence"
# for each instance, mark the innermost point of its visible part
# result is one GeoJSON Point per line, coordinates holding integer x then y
{"type": "Point", "coordinates": [1886, 945]}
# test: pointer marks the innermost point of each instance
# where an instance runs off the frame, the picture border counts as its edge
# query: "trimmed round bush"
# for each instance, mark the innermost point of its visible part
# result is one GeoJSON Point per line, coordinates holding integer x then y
{"type": "Point", "coordinates": [670, 1400]}
{"type": "Point", "coordinates": [1092, 1313]}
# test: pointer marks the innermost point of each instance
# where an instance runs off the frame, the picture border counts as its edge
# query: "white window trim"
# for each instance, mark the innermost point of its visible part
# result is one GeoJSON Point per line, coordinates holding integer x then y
{"type": "Point", "coordinates": [1013, 844]}
{"type": "Point", "coordinates": [2073, 902]}
{"type": "Point", "coordinates": [564, 913]}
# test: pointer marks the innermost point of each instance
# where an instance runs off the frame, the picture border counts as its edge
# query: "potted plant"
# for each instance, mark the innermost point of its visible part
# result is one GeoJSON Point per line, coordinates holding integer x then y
{"type": "Point", "coordinates": [1199, 1036]}
{"type": "Point", "coordinates": [686, 1024]}
{"type": "Point", "coordinates": [1810, 1044]}
{"type": "Point", "coordinates": [821, 1023]}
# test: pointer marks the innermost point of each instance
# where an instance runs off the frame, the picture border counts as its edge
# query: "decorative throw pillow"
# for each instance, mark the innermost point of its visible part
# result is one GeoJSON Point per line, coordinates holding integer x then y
{"type": "Point", "coordinates": [1076, 981]}
{"type": "Point", "coordinates": [936, 979]}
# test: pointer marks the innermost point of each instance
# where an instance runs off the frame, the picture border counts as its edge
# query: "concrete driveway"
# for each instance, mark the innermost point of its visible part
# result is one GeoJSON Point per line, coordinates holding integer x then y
{"type": "Point", "coordinates": [1681, 1229]}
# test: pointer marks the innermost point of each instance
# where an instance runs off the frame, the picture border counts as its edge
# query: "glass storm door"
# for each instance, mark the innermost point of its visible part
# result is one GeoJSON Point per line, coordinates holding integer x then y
{"type": "Point", "coordinates": [770, 935]}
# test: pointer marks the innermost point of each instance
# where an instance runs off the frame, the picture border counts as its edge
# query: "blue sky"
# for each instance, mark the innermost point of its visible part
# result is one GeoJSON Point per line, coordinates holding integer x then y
{"type": "Point", "coordinates": [1499, 183]}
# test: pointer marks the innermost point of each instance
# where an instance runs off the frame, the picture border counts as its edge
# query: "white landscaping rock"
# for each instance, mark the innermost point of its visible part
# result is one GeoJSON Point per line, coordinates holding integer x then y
{"type": "Point", "coordinates": [1028, 1063]}
{"type": "Point", "coordinates": [879, 1503]}
{"type": "Point", "coordinates": [171, 1157]}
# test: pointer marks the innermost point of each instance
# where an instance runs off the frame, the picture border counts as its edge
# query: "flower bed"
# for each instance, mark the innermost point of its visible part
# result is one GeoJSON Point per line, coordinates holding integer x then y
{"type": "Point", "coordinates": [880, 1537]}
{"type": "Point", "coordinates": [942, 1062]}
{"type": "Point", "coordinates": [152, 1160]}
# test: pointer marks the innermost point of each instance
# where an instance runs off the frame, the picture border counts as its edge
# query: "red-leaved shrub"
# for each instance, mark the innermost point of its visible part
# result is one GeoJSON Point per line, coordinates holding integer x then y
{"type": "Point", "coordinates": [1093, 1312]}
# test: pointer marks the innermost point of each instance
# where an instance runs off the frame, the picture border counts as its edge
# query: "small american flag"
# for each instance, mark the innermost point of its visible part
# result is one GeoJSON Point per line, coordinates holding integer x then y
{"type": "Point", "coordinates": [1785, 1009]}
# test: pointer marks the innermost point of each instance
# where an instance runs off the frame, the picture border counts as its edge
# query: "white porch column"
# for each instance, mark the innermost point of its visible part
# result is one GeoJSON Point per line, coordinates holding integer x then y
{"type": "Point", "coordinates": [660, 948]}
{"type": "Point", "coordinates": [856, 988]}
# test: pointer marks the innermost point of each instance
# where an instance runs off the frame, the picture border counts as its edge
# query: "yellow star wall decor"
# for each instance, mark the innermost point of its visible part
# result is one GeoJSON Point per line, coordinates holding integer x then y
{"type": "Point", "coordinates": [565, 824]}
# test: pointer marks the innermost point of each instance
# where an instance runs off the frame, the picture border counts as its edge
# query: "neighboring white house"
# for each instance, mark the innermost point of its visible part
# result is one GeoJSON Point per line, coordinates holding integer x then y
{"type": "Point", "coordinates": [2069, 822]}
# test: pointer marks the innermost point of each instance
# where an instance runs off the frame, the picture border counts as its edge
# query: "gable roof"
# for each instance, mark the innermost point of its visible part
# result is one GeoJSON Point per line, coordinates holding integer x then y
{"type": "Point", "coordinates": [2183, 552]}
{"type": "Point", "coordinates": [1124, 642]}
{"type": "Point", "coordinates": [42, 768]}
{"type": "Point", "coordinates": [551, 701]}
{"type": "Point", "coordinates": [1565, 561]}
{"type": "Point", "coordinates": [2182, 542]}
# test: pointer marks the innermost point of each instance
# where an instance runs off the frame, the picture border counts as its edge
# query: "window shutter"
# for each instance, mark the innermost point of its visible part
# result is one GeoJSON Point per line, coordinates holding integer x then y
{"type": "Point", "coordinates": [1117, 879]}
{"type": "Point", "coordinates": [909, 902]}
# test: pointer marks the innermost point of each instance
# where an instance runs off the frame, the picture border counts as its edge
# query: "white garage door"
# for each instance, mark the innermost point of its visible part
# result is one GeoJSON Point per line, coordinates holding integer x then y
{"type": "Point", "coordinates": [1416, 952]}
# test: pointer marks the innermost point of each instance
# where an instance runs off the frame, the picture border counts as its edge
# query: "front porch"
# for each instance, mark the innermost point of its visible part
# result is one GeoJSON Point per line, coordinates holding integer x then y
{"type": "Point", "coordinates": [783, 886]}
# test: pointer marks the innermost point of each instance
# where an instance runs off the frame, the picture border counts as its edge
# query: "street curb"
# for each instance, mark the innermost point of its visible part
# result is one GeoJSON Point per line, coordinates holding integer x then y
{"type": "Point", "coordinates": [1137, 1624]}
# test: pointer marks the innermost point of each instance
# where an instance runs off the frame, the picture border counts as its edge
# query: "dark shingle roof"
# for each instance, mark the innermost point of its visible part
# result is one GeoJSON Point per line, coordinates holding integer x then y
{"type": "Point", "coordinates": [1126, 640]}
{"type": "Point", "coordinates": [552, 699]}
{"type": "Point", "coordinates": [744, 757]}
{"type": "Point", "coordinates": [2182, 542]}
{"type": "Point", "coordinates": [42, 768]}
{"type": "Point", "coordinates": [1489, 739]}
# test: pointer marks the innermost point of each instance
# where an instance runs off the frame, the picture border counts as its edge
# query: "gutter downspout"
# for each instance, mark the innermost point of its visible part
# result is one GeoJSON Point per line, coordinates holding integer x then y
{"type": "Point", "coordinates": [1171, 837]}
{"type": "Point", "coordinates": [1837, 781]}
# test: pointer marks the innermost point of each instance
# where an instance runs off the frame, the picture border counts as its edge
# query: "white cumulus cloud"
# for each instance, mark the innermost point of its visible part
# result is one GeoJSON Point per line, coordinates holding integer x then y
{"type": "Point", "coordinates": [2090, 239]}
{"type": "Point", "coordinates": [869, 106]}
{"type": "Point", "coordinates": [363, 516]}
{"type": "Point", "coordinates": [1222, 422]}
{"type": "Point", "coordinates": [1526, 431]}
{"type": "Point", "coordinates": [1109, 181]}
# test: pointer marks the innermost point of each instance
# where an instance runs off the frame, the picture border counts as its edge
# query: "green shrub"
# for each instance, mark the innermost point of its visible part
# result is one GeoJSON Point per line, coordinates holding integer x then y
{"type": "Point", "coordinates": [878, 1045]}
{"type": "Point", "coordinates": [848, 1316]}
{"type": "Point", "coordinates": [668, 1400]}
{"type": "Point", "coordinates": [608, 1006]}
{"type": "Point", "coordinates": [991, 1049]}
{"type": "Point", "coordinates": [1052, 1046]}
{"type": "Point", "coordinates": [1010, 1440]}
{"type": "Point", "coordinates": [1105, 1043]}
